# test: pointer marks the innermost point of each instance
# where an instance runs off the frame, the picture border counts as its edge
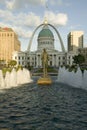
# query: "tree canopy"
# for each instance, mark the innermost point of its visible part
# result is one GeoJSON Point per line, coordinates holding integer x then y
{"type": "Point", "coordinates": [12, 63]}
{"type": "Point", "coordinates": [79, 59]}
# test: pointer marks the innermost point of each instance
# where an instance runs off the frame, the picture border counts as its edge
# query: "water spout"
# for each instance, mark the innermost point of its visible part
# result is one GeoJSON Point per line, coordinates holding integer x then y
{"type": "Point", "coordinates": [13, 78]}
{"type": "Point", "coordinates": [76, 79]}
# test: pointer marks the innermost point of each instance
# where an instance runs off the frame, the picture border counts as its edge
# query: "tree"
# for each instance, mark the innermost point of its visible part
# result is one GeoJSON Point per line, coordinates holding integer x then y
{"type": "Point", "coordinates": [2, 64]}
{"type": "Point", "coordinates": [79, 59]}
{"type": "Point", "coordinates": [12, 63]}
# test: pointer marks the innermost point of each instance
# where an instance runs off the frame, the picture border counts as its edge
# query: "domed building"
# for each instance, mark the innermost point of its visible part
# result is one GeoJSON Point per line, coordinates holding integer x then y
{"type": "Point", "coordinates": [45, 40]}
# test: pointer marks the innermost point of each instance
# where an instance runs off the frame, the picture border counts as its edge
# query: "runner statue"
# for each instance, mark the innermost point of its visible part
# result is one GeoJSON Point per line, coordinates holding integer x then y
{"type": "Point", "coordinates": [45, 59]}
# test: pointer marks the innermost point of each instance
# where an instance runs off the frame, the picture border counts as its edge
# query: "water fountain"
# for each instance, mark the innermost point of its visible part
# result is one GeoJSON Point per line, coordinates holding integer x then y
{"type": "Point", "coordinates": [20, 76]}
{"type": "Point", "coordinates": [76, 79]}
{"type": "Point", "coordinates": [7, 80]}
{"type": "Point", "coordinates": [2, 80]}
{"type": "Point", "coordinates": [13, 78]}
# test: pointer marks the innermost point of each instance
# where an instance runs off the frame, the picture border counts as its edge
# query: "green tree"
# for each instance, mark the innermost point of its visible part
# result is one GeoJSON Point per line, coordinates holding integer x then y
{"type": "Point", "coordinates": [13, 63]}
{"type": "Point", "coordinates": [79, 59]}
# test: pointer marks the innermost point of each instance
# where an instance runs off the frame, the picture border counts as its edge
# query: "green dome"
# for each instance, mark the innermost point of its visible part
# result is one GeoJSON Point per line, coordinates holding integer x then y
{"type": "Point", "coordinates": [45, 32]}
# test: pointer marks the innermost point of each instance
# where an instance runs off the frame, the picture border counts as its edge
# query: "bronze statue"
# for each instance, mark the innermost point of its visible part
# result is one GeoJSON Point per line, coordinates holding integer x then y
{"type": "Point", "coordinates": [45, 79]}
{"type": "Point", "coordinates": [45, 59]}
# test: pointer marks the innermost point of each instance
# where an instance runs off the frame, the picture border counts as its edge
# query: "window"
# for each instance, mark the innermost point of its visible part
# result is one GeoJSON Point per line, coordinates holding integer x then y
{"type": "Point", "coordinates": [22, 63]}
{"type": "Point", "coordinates": [11, 34]}
{"type": "Point", "coordinates": [63, 58]}
{"type": "Point", "coordinates": [15, 57]}
{"type": "Point", "coordinates": [19, 57]}
{"type": "Point", "coordinates": [28, 58]}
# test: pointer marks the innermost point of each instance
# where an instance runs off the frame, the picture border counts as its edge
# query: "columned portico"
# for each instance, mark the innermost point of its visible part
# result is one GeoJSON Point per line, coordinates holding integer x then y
{"type": "Point", "coordinates": [46, 40]}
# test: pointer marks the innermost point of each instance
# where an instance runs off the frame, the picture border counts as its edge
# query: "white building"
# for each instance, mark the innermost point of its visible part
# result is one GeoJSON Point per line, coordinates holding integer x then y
{"type": "Point", "coordinates": [20, 57]}
{"type": "Point", "coordinates": [45, 40]}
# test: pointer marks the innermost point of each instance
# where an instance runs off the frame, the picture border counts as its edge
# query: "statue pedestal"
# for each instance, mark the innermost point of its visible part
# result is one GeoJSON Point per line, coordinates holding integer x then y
{"type": "Point", "coordinates": [44, 80]}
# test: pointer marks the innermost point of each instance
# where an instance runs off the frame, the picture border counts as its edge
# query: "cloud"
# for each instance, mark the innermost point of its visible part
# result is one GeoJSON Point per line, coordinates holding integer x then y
{"type": "Point", "coordinates": [56, 18]}
{"type": "Point", "coordinates": [2, 1]}
{"type": "Point", "coordinates": [59, 2]}
{"type": "Point", "coordinates": [23, 22]}
{"type": "Point", "coordinates": [22, 4]}
{"type": "Point", "coordinates": [22, 32]}
{"type": "Point", "coordinates": [10, 5]}
{"type": "Point", "coordinates": [32, 20]}
{"type": "Point", "coordinates": [17, 4]}
{"type": "Point", "coordinates": [6, 15]}
{"type": "Point", "coordinates": [20, 19]}
{"type": "Point", "coordinates": [56, 2]}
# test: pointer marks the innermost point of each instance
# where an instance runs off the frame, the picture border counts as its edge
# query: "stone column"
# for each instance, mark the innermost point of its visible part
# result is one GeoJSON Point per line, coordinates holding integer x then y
{"type": "Point", "coordinates": [52, 60]}
{"type": "Point", "coordinates": [37, 61]}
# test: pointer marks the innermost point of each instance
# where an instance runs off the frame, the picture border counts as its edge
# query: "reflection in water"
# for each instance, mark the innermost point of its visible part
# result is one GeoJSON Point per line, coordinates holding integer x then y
{"type": "Point", "coordinates": [33, 107]}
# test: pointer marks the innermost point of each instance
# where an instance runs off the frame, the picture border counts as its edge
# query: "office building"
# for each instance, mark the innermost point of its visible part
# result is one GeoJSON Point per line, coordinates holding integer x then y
{"type": "Point", "coordinates": [75, 40]}
{"type": "Point", "coordinates": [8, 44]}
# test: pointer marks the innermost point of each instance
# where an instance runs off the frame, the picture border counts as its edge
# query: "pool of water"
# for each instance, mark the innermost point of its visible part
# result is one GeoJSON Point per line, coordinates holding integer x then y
{"type": "Point", "coordinates": [53, 107]}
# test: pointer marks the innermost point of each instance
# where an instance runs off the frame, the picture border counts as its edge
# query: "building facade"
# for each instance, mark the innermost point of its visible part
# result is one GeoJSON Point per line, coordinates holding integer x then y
{"type": "Point", "coordinates": [45, 40]}
{"type": "Point", "coordinates": [75, 40]}
{"type": "Point", "coordinates": [8, 44]}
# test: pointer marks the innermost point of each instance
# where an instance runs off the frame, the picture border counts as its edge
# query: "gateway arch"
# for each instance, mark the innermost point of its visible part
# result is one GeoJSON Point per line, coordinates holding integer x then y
{"type": "Point", "coordinates": [59, 37]}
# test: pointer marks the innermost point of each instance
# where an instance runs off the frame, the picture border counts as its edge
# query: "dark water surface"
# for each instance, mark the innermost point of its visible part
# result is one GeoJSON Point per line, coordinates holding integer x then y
{"type": "Point", "coordinates": [33, 107]}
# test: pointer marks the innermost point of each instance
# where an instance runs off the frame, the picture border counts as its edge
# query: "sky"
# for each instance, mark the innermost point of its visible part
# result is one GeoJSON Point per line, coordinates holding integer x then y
{"type": "Point", "coordinates": [23, 16]}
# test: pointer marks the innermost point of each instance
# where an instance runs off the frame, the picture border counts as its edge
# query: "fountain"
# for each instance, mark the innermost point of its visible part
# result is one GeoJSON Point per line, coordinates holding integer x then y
{"type": "Point", "coordinates": [76, 79]}
{"type": "Point", "coordinates": [7, 80]}
{"type": "Point", "coordinates": [2, 80]}
{"type": "Point", "coordinates": [13, 78]}
{"type": "Point", "coordinates": [20, 76]}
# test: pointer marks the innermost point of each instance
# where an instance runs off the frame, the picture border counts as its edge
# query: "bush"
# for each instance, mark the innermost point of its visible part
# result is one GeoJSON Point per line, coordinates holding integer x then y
{"type": "Point", "coordinates": [4, 70]}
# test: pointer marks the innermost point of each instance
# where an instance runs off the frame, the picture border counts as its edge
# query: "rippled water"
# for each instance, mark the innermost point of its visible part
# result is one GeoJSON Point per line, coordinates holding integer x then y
{"type": "Point", "coordinates": [33, 107]}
